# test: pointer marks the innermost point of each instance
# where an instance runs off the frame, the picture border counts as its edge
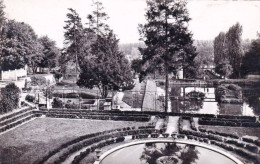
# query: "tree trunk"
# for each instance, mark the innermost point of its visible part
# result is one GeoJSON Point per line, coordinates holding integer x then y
{"type": "Point", "coordinates": [166, 86]}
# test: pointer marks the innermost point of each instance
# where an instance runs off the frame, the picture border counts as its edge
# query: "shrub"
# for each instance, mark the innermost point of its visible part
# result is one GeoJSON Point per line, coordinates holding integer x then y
{"type": "Point", "coordinates": [57, 103]}
{"type": "Point", "coordinates": [30, 98]}
{"type": "Point", "coordinates": [120, 139]}
{"type": "Point", "coordinates": [252, 148]}
{"type": "Point", "coordinates": [9, 98]}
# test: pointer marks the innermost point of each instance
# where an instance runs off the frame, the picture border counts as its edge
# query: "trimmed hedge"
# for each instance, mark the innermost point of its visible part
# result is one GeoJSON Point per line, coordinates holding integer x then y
{"type": "Point", "coordinates": [14, 124]}
{"type": "Point", "coordinates": [228, 122]}
{"type": "Point", "coordinates": [15, 114]}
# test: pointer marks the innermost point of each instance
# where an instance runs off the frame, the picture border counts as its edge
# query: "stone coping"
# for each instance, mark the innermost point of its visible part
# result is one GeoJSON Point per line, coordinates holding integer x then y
{"type": "Point", "coordinates": [228, 155]}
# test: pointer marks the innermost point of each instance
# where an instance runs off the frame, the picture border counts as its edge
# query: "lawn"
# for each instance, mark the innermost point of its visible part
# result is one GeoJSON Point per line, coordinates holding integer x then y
{"type": "Point", "coordinates": [240, 131]}
{"type": "Point", "coordinates": [32, 141]}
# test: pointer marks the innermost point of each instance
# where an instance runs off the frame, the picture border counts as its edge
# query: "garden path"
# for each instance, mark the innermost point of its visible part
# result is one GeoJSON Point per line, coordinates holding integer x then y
{"type": "Point", "coordinates": [172, 125]}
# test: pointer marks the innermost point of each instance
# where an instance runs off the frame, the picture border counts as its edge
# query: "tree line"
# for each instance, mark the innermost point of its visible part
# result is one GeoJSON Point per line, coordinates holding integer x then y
{"type": "Point", "coordinates": [232, 57]}
{"type": "Point", "coordinates": [21, 46]}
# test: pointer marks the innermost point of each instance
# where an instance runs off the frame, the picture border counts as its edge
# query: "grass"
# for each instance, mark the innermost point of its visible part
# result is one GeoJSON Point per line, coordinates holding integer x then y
{"type": "Point", "coordinates": [240, 131]}
{"type": "Point", "coordinates": [32, 141]}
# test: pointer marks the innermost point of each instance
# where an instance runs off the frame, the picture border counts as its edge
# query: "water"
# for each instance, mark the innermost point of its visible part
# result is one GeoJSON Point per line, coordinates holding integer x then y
{"type": "Point", "coordinates": [181, 103]}
{"type": "Point", "coordinates": [167, 153]}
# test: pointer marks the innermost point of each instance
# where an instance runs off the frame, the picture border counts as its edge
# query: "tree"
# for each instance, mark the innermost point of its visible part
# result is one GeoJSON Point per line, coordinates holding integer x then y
{"type": "Point", "coordinates": [220, 48]}
{"type": "Point", "coordinates": [224, 68]}
{"type": "Point", "coordinates": [2, 16]}
{"type": "Point", "coordinates": [107, 69]}
{"type": "Point", "coordinates": [228, 46]}
{"type": "Point", "coordinates": [167, 39]}
{"type": "Point", "coordinates": [234, 48]}
{"type": "Point", "coordinates": [2, 24]}
{"type": "Point", "coordinates": [136, 65]}
{"type": "Point", "coordinates": [205, 53]}
{"type": "Point", "coordinates": [50, 53]}
{"type": "Point", "coordinates": [9, 98]}
{"type": "Point", "coordinates": [77, 40]}
{"type": "Point", "coordinates": [251, 60]}
{"type": "Point", "coordinates": [21, 47]}
{"type": "Point", "coordinates": [73, 32]}
{"type": "Point", "coordinates": [97, 19]}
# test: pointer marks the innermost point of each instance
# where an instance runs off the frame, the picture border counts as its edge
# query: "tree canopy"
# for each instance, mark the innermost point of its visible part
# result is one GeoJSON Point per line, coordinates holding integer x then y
{"type": "Point", "coordinates": [251, 60]}
{"type": "Point", "coordinates": [21, 46]}
{"type": "Point", "coordinates": [50, 53]}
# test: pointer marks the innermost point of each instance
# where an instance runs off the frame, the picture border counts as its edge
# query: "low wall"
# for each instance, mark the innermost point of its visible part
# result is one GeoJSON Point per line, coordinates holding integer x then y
{"type": "Point", "coordinates": [13, 74]}
{"type": "Point", "coordinates": [253, 76]}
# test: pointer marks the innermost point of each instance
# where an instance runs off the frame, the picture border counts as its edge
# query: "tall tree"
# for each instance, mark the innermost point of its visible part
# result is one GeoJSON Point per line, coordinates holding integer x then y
{"type": "Point", "coordinates": [220, 53]}
{"type": "Point", "coordinates": [50, 53]}
{"type": "Point", "coordinates": [234, 48]}
{"type": "Point", "coordinates": [97, 20]}
{"type": "Point", "coordinates": [74, 34]}
{"type": "Point", "coordinates": [228, 46]}
{"type": "Point", "coordinates": [167, 39]}
{"type": "Point", "coordinates": [107, 69]}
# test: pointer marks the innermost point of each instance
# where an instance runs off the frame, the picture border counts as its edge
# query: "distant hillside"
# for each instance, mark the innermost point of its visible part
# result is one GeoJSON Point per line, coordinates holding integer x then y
{"type": "Point", "coordinates": [131, 50]}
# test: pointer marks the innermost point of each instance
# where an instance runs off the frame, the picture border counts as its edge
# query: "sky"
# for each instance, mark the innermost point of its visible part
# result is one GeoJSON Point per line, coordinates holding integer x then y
{"type": "Point", "coordinates": [209, 17]}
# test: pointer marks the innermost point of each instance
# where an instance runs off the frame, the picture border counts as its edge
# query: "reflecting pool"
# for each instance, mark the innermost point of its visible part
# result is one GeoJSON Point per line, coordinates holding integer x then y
{"type": "Point", "coordinates": [181, 100]}
{"type": "Point", "coordinates": [165, 153]}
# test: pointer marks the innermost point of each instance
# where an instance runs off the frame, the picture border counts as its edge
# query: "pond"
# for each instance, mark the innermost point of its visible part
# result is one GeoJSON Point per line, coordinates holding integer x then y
{"type": "Point", "coordinates": [182, 101]}
{"type": "Point", "coordinates": [165, 153]}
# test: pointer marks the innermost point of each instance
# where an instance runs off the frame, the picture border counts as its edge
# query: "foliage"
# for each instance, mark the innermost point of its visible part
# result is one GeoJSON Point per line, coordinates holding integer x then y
{"type": "Point", "coordinates": [77, 42]}
{"type": "Point", "coordinates": [2, 24]}
{"type": "Point", "coordinates": [9, 98]}
{"type": "Point", "coordinates": [38, 81]}
{"type": "Point", "coordinates": [228, 47]}
{"type": "Point", "coordinates": [131, 50]}
{"type": "Point", "coordinates": [136, 65]}
{"type": "Point", "coordinates": [97, 19]}
{"type": "Point", "coordinates": [21, 47]}
{"type": "Point", "coordinates": [220, 48]}
{"type": "Point", "coordinates": [50, 53]}
{"type": "Point", "coordinates": [167, 39]}
{"type": "Point", "coordinates": [108, 70]}
{"type": "Point", "coordinates": [228, 93]}
{"type": "Point", "coordinates": [30, 98]}
{"type": "Point", "coordinates": [234, 48]}
{"type": "Point", "coordinates": [224, 69]}
{"type": "Point", "coordinates": [204, 58]}
{"type": "Point", "coordinates": [104, 66]}
{"type": "Point", "coordinates": [251, 60]}
{"type": "Point", "coordinates": [57, 103]}
{"type": "Point", "coordinates": [205, 53]}
{"type": "Point", "coordinates": [2, 14]}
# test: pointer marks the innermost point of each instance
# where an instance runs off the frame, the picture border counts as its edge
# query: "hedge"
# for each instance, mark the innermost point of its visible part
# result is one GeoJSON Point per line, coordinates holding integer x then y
{"type": "Point", "coordinates": [14, 124]}
{"type": "Point", "coordinates": [15, 114]}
